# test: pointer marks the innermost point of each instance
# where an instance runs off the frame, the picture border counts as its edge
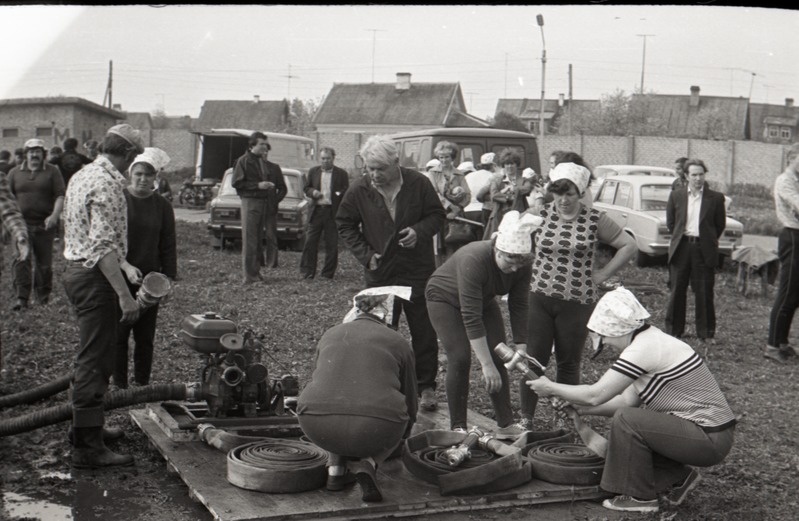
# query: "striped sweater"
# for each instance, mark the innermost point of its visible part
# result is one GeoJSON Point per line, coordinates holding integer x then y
{"type": "Point", "coordinates": [671, 378]}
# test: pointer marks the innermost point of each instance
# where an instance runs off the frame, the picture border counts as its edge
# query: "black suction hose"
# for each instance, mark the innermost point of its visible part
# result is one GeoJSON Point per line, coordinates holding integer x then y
{"type": "Point", "coordinates": [37, 393]}
{"type": "Point", "coordinates": [113, 400]}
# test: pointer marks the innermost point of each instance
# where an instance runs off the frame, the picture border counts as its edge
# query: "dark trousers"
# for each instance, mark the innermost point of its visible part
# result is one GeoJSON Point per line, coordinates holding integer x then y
{"type": "Point", "coordinates": [143, 337]}
{"type": "Point", "coordinates": [448, 323]}
{"type": "Point", "coordinates": [322, 222]}
{"type": "Point", "coordinates": [553, 320]}
{"type": "Point", "coordinates": [253, 230]}
{"type": "Point", "coordinates": [648, 451]}
{"type": "Point", "coordinates": [270, 234]}
{"type": "Point", "coordinates": [423, 338]}
{"type": "Point", "coordinates": [97, 308]}
{"type": "Point", "coordinates": [687, 266]}
{"type": "Point", "coordinates": [787, 298]}
{"type": "Point", "coordinates": [40, 275]}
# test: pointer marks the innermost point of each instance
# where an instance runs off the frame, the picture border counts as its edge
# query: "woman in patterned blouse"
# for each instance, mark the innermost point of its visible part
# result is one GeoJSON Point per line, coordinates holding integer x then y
{"type": "Point", "coordinates": [562, 291]}
{"type": "Point", "coordinates": [668, 411]}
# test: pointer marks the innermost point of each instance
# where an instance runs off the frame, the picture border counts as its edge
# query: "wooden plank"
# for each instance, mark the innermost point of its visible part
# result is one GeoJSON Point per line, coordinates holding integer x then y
{"type": "Point", "coordinates": [203, 469]}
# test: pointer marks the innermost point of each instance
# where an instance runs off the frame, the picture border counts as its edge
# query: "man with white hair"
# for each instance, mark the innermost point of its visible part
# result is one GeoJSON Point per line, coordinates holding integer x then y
{"type": "Point", "coordinates": [39, 189]}
{"type": "Point", "coordinates": [95, 233]}
{"type": "Point", "coordinates": [388, 219]}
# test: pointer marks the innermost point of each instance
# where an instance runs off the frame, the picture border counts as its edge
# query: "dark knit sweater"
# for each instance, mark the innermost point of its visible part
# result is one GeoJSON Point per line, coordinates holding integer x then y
{"type": "Point", "coordinates": [151, 234]}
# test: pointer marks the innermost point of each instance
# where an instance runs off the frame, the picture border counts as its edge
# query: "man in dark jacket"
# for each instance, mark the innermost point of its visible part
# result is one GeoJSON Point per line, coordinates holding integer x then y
{"type": "Point", "coordinates": [325, 185]}
{"type": "Point", "coordinates": [388, 219]}
{"type": "Point", "coordinates": [71, 160]}
{"type": "Point", "coordinates": [696, 218]}
{"type": "Point", "coordinates": [261, 187]}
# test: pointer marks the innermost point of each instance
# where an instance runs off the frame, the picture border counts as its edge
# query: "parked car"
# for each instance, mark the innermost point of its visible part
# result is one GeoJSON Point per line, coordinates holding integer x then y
{"type": "Point", "coordinates": [224, 221]}
{"type": "Point", "coordinates": [637, 203]}
{"type": "Point", "coordinates": [603, 171]}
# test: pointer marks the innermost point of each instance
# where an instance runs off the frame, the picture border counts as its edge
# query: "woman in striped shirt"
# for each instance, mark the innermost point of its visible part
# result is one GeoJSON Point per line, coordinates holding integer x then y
{"type": "Point", "coordinates": [668, 411]}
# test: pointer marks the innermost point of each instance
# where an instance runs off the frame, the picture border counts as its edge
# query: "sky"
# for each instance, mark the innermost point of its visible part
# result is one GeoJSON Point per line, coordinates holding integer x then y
{"type": "Point", "coordinates": [173, 58]}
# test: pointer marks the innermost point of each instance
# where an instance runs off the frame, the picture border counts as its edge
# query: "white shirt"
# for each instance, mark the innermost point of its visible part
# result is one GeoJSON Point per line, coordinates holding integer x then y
{"type": "Point", "coordinates": [324, 185]}
{"type": "Point", "coordinates": [694, 208]}
{"type": "Point", "coordinates": [476, 181]}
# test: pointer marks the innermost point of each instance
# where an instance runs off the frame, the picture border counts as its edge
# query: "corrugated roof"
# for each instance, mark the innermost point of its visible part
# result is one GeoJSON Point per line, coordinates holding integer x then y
{"type": "Point", "coordinates": [272, 115]}
{"type": "Point", "coordinates": [63, 100]}
{"type": "Point", "coordinates": [711, 116]}
{"type": "Point", "coordinates": [384, 104]}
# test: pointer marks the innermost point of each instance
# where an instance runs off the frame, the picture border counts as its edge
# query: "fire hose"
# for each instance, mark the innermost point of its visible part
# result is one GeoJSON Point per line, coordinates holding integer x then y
{"type": "Point", "coordinates": [516, 360]}
{"type": "Point", "coordinates": [113, 400]}
{"type": "Point", "coordinates": [37, 393]}
{"type": "Point", "coordinates": [277, 466]}
{"type": "Point", "coordinates": [566, 464]}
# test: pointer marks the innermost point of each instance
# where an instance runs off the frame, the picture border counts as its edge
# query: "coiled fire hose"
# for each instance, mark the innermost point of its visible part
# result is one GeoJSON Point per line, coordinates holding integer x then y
{"type": "Point", "coordinates": [277, 466]}
{"type": "Point", "coordinates": [37, 393]}
{"type": "Point", "coordinates": [113, 400]}
{"type": "Point", "coordinates": [566, 464]}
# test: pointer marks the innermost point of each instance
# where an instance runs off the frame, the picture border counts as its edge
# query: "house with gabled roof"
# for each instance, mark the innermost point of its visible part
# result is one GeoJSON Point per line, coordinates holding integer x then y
{"type": "Point", "coordinates": [774, 123]}
{"type": "Point", "coordinates": [528, 110]}
{"type": "Point", "coordinates": [255, 114]}
{"type": "Point", "coordinates": [383, 108]}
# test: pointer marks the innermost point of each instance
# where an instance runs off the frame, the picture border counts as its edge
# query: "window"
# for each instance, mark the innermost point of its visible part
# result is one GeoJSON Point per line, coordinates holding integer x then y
{"type": "Point", "coordinates": [10, 132]}
{"type": "Point", "coordinates": [44, 131]}
{"type": "Point", "coordinates": [409, 156]}
{"type": "Point", "coordinates": [624, 195]}
{"type": "Point", "coordinates": [772, 131]}
{"type": "Point", "coordinates": [785, 132]}
{"type": "Point", "coordinates": [655, 197]}
{"type": "Point", "coordinates": [607, 192]}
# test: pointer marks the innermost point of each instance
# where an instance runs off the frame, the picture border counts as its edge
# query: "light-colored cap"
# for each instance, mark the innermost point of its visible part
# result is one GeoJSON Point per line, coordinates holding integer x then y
{"type": "Point", "coordinates": [579, 175]}
{"type": "Point", "coordinates": [528, 173]}
{"type": "Point", "coordinates": [129, 134]}
{"type": "Point", "coordinates": [487, 158]}
{"type": "Point", "coordinates": [514, 235]}
{"type": "Point", "coordinates": [378, 302]}
{"type": "Point", "coordinates": [617, 313]}
{"type": "Point", "coordinates": [466, 167]}
{"type": "Point", "coordinates": [34, 143]}
{"type": "Point", "coordinates": [432, 164]}
{"type": "Point", "coordinates": [154, 157]}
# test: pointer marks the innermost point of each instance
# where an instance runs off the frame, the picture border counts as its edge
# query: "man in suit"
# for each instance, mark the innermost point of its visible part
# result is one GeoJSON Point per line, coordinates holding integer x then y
{"type": "Point", "coordinates": [325, 186]}
{"type": "Point", "coordinates": [696, 217]}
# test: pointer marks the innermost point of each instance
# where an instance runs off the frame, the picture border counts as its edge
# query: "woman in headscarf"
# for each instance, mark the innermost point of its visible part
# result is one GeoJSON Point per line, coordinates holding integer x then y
{"type": "Point", "coordinates": [461, 300]}
{"type": "Point", "coordinates": [151, 248]}
{"type": "Point", "coordinates": [562, 291]}
{"type": "Point", "coordinates": [668, 411]}
{"type": "Point", "coordinates": [361, 401]}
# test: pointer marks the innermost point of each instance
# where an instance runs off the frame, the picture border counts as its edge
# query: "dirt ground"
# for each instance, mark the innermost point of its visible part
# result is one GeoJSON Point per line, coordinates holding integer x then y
{"type": "Point", "coordinates": [756, 481]}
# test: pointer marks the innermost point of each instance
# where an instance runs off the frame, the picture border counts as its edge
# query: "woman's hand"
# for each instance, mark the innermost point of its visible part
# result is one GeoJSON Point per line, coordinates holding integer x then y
{"type": "Point", "coordinates": [492, 379]}
{"type": "Point", "coordinates": [564, 410]}
{"type": "Point", "coordinates": [599, 276]}
{"type": "Point", "coordinates": [540, 386]}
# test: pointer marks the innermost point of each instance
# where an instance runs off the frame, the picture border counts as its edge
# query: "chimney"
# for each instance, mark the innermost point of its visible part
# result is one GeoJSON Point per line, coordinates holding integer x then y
{"type": "Point", "coordinates": [403, 80]}
{"type": "Point", "coordinates": [256, 98]}
{"type": "Point", "coordinates": [561, 97]}
{"type": "Point", "coordinates": [117, 107]}
{"type": "Point", "coordinates": [789, 102]}
{"type": "Point", "coordinates": [694, 96]}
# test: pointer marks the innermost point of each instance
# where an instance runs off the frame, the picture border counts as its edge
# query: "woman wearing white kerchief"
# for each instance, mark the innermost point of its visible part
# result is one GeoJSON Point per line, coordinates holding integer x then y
{"type": "Point", "coordinates": [361, 400]}
{"type": "Point", "coordinates": [461, 300]}
{"type": "Point", "coordinates": [151, 248]}
{"type": "Point", "coordinates": [508, 191]}
{"type": "Point", "coordinates": [562, 292]}
{"type": "Point", "coordinates": [668, 411]}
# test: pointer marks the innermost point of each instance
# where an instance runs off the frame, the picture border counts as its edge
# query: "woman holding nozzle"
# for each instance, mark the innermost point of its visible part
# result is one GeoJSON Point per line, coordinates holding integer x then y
{"type": "Point", "coordinates": [462, 303]}
{"type": "Point", "coordinates": [668, 411]}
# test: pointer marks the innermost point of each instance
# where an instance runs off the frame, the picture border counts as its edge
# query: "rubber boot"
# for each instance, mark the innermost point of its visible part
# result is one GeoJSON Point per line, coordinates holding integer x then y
{"type": "Point", "coordinates": [109, 434]}
{"type": "Point", "coordinates": [90, 451]}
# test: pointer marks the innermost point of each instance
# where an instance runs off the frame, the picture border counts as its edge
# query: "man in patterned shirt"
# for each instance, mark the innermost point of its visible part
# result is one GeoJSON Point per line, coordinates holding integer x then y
{"type": "Point", "coordinates": [95, 229]}
{"type": "Point", "coordinates": [11, 219]}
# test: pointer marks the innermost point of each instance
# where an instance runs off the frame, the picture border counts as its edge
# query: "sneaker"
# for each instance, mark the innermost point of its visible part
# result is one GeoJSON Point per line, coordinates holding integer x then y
{"type": "Point", "coordinates": [511, 432]}
{"type": "Point", "coordinates": [774, 353]}
{"type": "Point", "coordinates": [680, 491]}
{"type": "Point", "coordinates": [365, 475]}
{"type": "Point", "coordinates": [459, 429]}
{"type": "Point", "coordinates": [789, 350]}
{"type": "Point", "coordinates": [427, 400]}
{"type": "Point", "coordinates": [20, 305]}
{"type": "Point", "coordinates": [630, 504]}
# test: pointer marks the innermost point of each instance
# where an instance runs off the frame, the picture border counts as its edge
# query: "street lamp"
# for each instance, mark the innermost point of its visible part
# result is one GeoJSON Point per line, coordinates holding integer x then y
{"type": "Point", "coordinates": [643, 60]}
{"type": "Point", "coordinates": [540, 19]}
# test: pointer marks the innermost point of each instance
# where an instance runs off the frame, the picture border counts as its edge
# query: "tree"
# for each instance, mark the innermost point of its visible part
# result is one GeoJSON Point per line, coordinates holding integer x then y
{"type": "Point", "coordinates": [619, 114]}
{"type": "Point", "coordinates": [301, 113]}
{"type": "Point", "coordinates": [508, 121]}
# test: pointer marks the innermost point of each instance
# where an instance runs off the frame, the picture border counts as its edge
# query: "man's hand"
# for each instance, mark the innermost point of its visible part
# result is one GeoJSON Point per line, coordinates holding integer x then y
{"type": "Point", "coordinates": [374, 262]}
{"type": "Point", "coordinates": [317, 194]}
{"type": "Point", "coordinates": [50, 222]}
{"type": "Point", "coordinates": [22, 248]}
{"type": "Point", "coordinates": [408, 237]}
{"type": "Point", "coordinates": [130, 309]}
{"type": "Point", "coordinates": [132, 273]}
{"type": "Point", "coordinates": [266, 185]}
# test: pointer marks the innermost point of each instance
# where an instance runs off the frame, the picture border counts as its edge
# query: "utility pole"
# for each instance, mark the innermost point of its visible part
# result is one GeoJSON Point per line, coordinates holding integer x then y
{"type": "Point", "coordinates": [643, 60]}
{"type": "Point", "coordinates": [109, 86]}
{"type": "Point", "coordinates": [471, 94]}
{"type": "Point", "coordinates": [570, 99]}
{"type": "Point", "coordinates": [289, 76]}
{"type": "Point", "coordinates": [751, 85]}
{"type": "Point", "coordinates": [506, 75]}
{"type": "Point", "coordinates": [540, 19]}
{"type": "Point", "coordinates": [374, 40]}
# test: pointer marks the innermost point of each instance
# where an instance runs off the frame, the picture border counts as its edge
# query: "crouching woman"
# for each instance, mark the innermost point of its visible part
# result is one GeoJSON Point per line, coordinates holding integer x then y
{"type": "Point", "coordinates": [361, 401]}
{"type": "Point", "coordinates": [668, 411]}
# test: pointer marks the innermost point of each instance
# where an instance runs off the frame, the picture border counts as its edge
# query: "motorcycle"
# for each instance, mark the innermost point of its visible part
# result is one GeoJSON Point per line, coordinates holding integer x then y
{"type": "Point", "coordinates": [195, 193]}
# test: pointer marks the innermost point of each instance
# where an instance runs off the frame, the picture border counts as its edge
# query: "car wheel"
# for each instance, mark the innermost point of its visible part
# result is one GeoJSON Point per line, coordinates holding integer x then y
{"type": "Point", "coordinates": [642, 260]}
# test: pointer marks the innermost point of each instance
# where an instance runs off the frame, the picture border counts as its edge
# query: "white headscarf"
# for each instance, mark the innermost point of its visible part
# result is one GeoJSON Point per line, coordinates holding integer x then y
{"type": "Point", "coordinates": [515, 230]}
{"type": "Point", "coordinates": [378, 302]}
{"type": "Point", "coordinates": [154, 157]}
{"type": "Point", "coordinates": [617, 313]}
{"type": "Point", "coordinates": [579, 175]}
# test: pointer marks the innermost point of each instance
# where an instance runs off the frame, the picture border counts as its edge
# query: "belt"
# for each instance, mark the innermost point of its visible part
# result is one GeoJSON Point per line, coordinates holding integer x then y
{"type": "Point", "coordinates": [690, 239]}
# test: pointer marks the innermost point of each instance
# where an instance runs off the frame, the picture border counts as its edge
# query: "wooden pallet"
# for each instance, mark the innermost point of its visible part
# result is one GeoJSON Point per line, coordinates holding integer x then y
{"type": "Point", "coordinates": [204, 468]}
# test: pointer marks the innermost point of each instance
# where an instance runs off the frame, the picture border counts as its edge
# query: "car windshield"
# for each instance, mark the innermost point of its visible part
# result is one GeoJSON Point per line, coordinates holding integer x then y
{"type": "Point", "coordinates": [293, 184]}
{"type": "Point", "coordinates": [654, 197]}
